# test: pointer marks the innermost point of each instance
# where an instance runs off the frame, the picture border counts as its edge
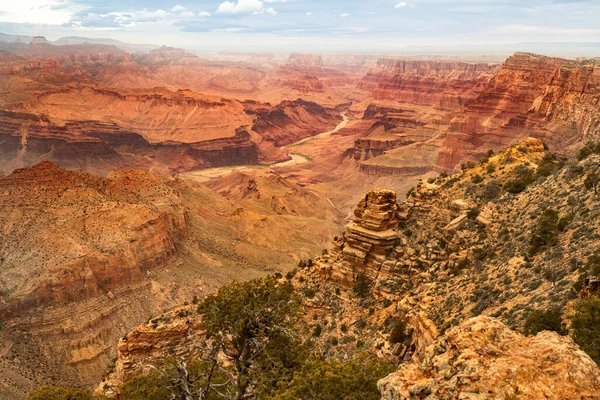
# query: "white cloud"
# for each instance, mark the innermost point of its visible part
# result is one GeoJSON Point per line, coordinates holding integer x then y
{"type": "Point", "coordinates": [178, 8]}
{"type": "Point", "coordinates": [204, 14]}
{"type": "Point", "coordinates": [345, 15]}
{"type": "Point", "coordinates": [51, 12]}
{"type": "Point", "coordinates": [114, 20]}
{"type": "Point", "coordinates": [278, 1]}
{"type": "Point", "coordinates": [240, 7]}
{"type": "Point", "coordinates": [187, 14]}
{"type": "Point", "coordinates": [310, 13]}
{"type": "Point", "coordinates": [402, 4]}
{"type": "Point", "coordinates": [271, 11]}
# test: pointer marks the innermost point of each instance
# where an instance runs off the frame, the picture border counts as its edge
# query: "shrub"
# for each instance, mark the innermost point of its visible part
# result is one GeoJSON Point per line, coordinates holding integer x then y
{"type": "Point", "coordinates": [593, 263]}
{"type": "Point", "coordinates": [309, 293]}
{"type": "Point", "coordinates": [585, 325]}
{"type": "Point", "coordinates": [573, 170]}
{"type": "Point", "coordinates": [332, 379]}
{"type": "Point", "coordinates": [591, 181]}
{"type": "Point", "coordinates": [146, 387]}
{"type": "Point", "coordinates": [492, 190]}
{"type": "Point", "coordinates": [544, 320]}
{"type": "Point", "coordinates": [250, 325]}
{"type": "Point", "coordinates": [524, 177]}
{"type": "Point", "coordinates": [59, 393]}
{"type": "Point", "coordinates": [467, 165]}
{"type": "Point", "coordinates": [588, 149]}
{"type": "Point", "coordinates": [473, 213]}
{"type": "Point", "coordinates": [545, 232]}
{"type": "Point", "coordinates": [317, 331]}
{"type": "Point", "coordinates": [548, 165]}
{"type": "Point", "coordinates": [564, 222]}
{"type": "Point", "coordinates": [477, 179]}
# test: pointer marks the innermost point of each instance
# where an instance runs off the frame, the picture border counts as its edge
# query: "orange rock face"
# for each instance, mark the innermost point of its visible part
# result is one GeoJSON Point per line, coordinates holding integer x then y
{"type": "Point", "coordinates": [61, 222]}
{"type": "Point", "coordinates": [483, 358]}
{"type": "Point", "coordinates": [447, 85]}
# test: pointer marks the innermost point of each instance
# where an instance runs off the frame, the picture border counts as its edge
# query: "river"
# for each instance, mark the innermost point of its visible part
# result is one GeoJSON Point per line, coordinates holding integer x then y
{"type": "Point", "coordinates": [204, 175]}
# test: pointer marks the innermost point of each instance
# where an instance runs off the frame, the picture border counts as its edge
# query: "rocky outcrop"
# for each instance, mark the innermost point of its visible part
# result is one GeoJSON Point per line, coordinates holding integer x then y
{"type": "Point", "coordinates": [368, 241]}
{"type": "Point", "coordinates": [178, 334]}
{"type": "Point", "coordinates": [483, 358]}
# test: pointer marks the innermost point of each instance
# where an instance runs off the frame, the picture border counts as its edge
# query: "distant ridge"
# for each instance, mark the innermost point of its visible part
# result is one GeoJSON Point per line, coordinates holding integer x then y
{"type": "Point", "coordinates": [73, 40]}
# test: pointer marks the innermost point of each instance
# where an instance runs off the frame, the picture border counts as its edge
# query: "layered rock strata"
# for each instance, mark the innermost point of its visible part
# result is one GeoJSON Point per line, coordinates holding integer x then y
{"type": "Point", "coordinates": [368, 241]}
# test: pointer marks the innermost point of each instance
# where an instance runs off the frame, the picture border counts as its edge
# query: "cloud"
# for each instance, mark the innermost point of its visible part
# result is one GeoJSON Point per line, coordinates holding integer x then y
{"type": "Point", "coordinates": [178, 8]}
{"type": "Point", "coordinates": [89, 19]}
{"type": "Point", "coordinates": [204, 14]}
{"type": "Point", "coordinates": [345, 15]}
{"type": "Point", "coordinates": [187, 14]}
{"type": "Point", "coordinates": [310, 13]}
{"type": "Point", "coordinates": [241, 7]}
{"type": "Point", "coordinates": [51, 12]}
{"type": "Point", "coordinates": [402, 4]}
{"type": "Point", "coordinates": [271, 11]}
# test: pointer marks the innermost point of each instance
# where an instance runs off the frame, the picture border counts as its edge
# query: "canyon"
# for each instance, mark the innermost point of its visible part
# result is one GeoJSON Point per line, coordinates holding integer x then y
{"type": "Point", "coordinates": [131, 183]}
{"type": "Point", "coordinates": [405, 261]}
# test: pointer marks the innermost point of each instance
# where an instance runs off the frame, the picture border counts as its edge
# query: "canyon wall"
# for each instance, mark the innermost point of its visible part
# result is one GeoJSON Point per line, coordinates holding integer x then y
{"type": "Point", "coordinates": [445, 84]}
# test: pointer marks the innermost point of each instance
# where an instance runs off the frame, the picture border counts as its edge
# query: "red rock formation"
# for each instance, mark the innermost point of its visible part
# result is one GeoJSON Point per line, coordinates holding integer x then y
{"type": "Point", "coordinates": [530, 95]}
{"type": "Point", "coordinates": [292, 121]}
{"type": "Point", "coordinates": [72, 211]}
{"type": "Point", "coordinates": [447, 85]}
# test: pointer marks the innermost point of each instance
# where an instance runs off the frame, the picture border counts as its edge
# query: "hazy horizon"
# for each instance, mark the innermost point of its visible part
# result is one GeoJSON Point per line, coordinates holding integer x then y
{"type": "Point", "coordinates": [383, 26]}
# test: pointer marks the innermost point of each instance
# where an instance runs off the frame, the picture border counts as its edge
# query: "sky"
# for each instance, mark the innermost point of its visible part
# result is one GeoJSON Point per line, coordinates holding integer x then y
{"type": "Point", "coordinates": [307, 25]}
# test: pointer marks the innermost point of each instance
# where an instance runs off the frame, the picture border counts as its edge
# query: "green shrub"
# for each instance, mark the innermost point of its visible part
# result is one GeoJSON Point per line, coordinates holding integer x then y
{"type": "Point", "coordinates": [492, 190]}
{"type": "Point", "coordinates": [548, 165]}
{"type": "Point", "coordinates": [477, 179]}
{"type": "Point", "coordinates": [146, 387]}
{"type": "Point", "coordinates": [468, 165]}
{"type": "Point", "coordinates": [545, 232]}
{"type": "Point", "coordinates": [332, 379]}
{"type": "Point", "coordinates": [460, 265]}
{"type": "Point", "coordinates": [587, 150]}
{"type": "Point", "coordinates": [318, 330]}
{"type": "Point", "coordinates": [585, 325]}
{"type": "Point", "coordinates": [544, 320]}
{"type": "Point", "coordinates": [59, 393]}
{"type": "Point", "coordinates": [524, 177]}
{"type": "Point", "coordinates": [591, 181]}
